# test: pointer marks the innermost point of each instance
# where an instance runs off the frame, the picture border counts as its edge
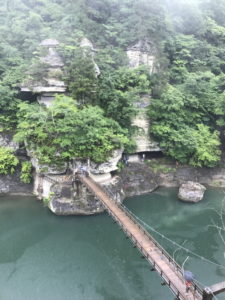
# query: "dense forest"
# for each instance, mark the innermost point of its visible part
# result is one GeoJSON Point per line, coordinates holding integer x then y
{"type": "Point", "coordinates": [187, 110]}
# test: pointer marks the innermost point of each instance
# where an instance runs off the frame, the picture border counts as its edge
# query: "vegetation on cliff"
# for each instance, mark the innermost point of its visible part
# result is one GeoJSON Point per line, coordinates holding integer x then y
{"type": "Point", "coordinates": [8, 161]}
{"type": "Point", "coordinates": [187, 108]}
{"type": "Point", "coordinates": [61, 132]}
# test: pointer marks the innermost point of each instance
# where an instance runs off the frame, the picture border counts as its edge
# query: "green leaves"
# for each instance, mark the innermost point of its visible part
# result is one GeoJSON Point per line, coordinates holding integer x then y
{"type": "Point", "coordinates": [119, 90]}
{"type": "Point", "coordinates": [26, 172]}
{"type": "Point", "coordinates": [177, 121]}
{"type": "Point", "coordinates": [63, 132]}
{"type": "Point", "coordinates": [207, 147]}
{"type": "Point", "coordinates": [8, 161]}
{"type": "Point", "coordinates": [80, 74]}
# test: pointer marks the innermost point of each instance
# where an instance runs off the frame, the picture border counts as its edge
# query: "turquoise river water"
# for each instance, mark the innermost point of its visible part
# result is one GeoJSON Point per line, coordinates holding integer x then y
{"type": "Point", "coordinates": [47, 257]}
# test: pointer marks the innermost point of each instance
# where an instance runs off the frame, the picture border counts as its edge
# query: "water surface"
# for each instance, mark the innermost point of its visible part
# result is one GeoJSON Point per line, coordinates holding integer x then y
{"type": "Point", "coordinates": [43, 256]}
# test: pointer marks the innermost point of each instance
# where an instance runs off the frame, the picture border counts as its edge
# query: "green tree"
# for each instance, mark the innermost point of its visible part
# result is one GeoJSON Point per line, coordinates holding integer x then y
{"type": "Point", "coordinates": [177, 122]}
{"type": "Point", "coordinates": [80, 74]}
{"type": "Point", "coordinates": [119, 90]}
{"type": "Point", "coordinates": [62, 132]}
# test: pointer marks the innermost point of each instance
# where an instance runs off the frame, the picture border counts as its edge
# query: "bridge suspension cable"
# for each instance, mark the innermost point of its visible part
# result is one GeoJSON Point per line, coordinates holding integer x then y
{"type": "Point", "coordinates": [171, 241]}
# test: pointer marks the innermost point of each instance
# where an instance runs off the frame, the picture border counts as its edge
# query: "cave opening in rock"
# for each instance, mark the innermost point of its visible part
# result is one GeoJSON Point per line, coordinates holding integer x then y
{"type": "Point", "coordinates": [151, 155]}
{"type": "Point", "coordinates": [28, 96]}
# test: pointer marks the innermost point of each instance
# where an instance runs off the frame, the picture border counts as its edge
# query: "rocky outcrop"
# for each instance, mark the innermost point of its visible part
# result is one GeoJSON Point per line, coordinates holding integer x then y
{"type": "Point", "coordinates": [191, 192]}
{"type": "Point", "coordinates": [67, 198]}
{"type": "Point", "coordinates": [51, 82]}
{"type": "Point", "coordinates": [142, 53]}
{"type": "Point", "coordinates": [88, 49]}
{"type": "Point", "coordinates": [176, 175]}
{"type": "Point", "coordinates": [138, 179]}
{"type": "Point", "coordinates": [70, 198]}
{"type": "Point", "coordinates": [108, 166]}
{"type": "Point", "coordinates": [73, 200]}
{"type": "Point", "coordinates": [11, 184]}
{"type": "Point", "coordinates": [6, 140]}
{"type": "Point", "coordinates": [76, 199]}
{"type": "Point", "coordinates": [46, 169]}
{"type": "Point", "coordinates": [52, 58]}
{"type": "Point", "coordinates": [142, 138]}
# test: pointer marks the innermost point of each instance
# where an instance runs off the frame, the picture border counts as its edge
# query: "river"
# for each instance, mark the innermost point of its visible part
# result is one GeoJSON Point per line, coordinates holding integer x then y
{"type": "Point", "coordinates": [47, 257]}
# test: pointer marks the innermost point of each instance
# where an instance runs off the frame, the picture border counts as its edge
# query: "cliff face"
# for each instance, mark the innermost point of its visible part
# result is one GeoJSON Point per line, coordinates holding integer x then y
{"type": "Point", "coordinates": [11, 184]}
{"type": "Point", "coordinates": [143, 53]}
{"type": "Point", "coordinates": [142, 138]}
{"type": "Point", "coordinates": [138, 179]}
{"type": "Point", "coordinates": [66, 197]}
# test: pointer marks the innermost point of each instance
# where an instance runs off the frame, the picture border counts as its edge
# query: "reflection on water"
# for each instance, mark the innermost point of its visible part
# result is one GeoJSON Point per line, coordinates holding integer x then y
{"type": "Point", "coordinates": [46, 257]}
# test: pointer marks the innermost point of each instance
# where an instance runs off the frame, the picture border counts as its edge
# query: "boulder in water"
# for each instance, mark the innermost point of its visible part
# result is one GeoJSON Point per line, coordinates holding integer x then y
{"type": "Point", "coordinates": [191, 192]}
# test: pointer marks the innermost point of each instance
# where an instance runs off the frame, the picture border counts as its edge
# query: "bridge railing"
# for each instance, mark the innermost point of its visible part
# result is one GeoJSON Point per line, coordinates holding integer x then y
{"type": "Point", "coordinates": [176, 266]}
{"type": "Point", "coordinates": [56, 180]}
{"type": "Point", "coordinates": [48, 178]}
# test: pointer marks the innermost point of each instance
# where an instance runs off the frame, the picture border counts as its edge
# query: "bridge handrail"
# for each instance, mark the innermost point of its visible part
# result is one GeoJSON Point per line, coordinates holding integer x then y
{"type": "Point", "coordinates": [164, 252]}
{"type": "Point", "coordinates": [48, 178]}
{"type": "Point", "coordinates": [146, 233]}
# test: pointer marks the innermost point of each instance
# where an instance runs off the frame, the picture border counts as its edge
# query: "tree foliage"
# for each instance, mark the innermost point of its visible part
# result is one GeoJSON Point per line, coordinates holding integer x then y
{"type": "Point", "coordinates": [179, 123]}
{"type": "Point", "coordinates": [62, 132]}
{"type": "Point", "coordinates": [8, 161]}
{"type": "Point", "coordinates": [26, 172]}
{"type": "Point", "coordinates": [187, 92]}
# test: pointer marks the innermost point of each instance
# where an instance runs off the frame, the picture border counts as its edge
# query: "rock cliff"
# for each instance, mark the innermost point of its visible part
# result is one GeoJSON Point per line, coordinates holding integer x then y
{"type": "Point", "coordinates": [11, 184]}
{"type": "Point", "coordinates": [142, 53]}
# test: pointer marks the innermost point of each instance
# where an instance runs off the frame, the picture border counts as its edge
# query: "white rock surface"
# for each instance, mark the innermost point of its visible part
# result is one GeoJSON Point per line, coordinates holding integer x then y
{"type": "Point", "coordinates": [88, 49]}
{"type": "Point", "coordinates": [51, 82]}
{"type": "Point", "coordinates": [191, 191]}
{"type": "Point", "coordinates": [45, 169]}
{"type": "Point", "coordinates": [109, 166]}
{"type": "Point", "coordinates": [142, 137]}
{"type": "Point", "coordinates": [142, 54]}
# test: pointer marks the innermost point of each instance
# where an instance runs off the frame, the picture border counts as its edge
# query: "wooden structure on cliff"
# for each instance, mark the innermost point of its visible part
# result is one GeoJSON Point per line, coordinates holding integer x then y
{"type": "Point", "coordinates": [161, 261]}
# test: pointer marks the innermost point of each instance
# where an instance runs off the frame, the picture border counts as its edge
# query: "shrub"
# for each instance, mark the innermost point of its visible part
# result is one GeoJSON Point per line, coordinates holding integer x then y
{"type": "Point", "coordinates": [8, 161]}
{"type": "Point", "coordinates": [26, 172]}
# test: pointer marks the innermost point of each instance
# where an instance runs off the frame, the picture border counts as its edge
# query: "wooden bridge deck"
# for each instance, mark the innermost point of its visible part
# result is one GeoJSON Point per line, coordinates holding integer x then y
{"type": "Point", "coordinates": [161, 261]}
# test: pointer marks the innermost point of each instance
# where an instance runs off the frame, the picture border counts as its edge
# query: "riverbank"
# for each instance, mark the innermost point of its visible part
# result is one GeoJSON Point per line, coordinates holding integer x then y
{"type": "Point", "coordinates": [144, 177]}
{"type": "Point", "coordinates": [138, 178]}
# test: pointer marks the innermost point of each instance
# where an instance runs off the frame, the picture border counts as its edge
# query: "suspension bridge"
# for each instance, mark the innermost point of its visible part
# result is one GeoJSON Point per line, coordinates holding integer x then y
{"type": "Point", "coordinates": [169, 270]}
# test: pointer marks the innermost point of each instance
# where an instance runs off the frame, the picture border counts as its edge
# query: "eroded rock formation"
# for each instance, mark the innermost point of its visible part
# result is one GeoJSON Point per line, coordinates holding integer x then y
{"type": "Point", "coordinates": [138, 179]}
{"type": "Point", "coordinates": [88, 49]}
{"type": "Point", "coordinates": [142, 53]}
{"type": "Point", "coordinates": [50, 82]}
{"type": "Point", "coordinates": [142, 138]}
